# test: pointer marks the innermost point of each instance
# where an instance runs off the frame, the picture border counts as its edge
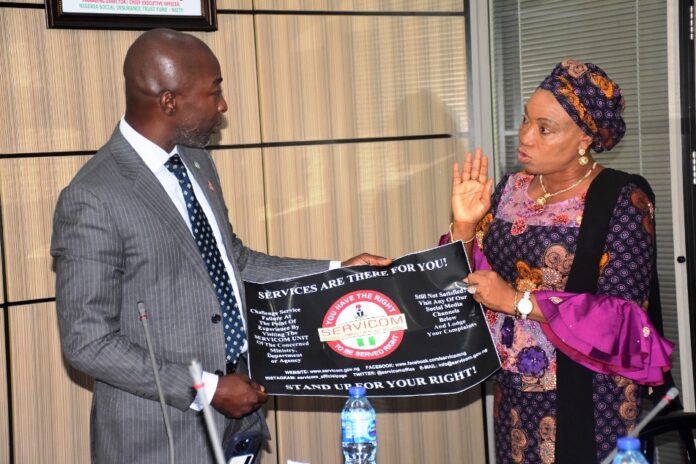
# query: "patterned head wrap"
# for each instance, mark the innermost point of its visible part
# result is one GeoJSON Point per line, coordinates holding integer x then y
{"type": "Point", "coordinates": [593, 100]}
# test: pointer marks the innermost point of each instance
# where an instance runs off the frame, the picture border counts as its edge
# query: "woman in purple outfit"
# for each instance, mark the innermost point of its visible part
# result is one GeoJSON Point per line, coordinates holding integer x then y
{"type": "Point", "coordinates": [564, 262]}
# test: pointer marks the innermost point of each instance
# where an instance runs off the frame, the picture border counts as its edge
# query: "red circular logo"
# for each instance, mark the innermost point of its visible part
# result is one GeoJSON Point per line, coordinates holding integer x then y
{"type": "Point", "coordinates": [363, 324]}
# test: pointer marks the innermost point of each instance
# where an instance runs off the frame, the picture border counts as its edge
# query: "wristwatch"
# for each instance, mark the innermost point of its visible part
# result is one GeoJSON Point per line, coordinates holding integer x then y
{"type": "Point", "coordinates": [524, 305]}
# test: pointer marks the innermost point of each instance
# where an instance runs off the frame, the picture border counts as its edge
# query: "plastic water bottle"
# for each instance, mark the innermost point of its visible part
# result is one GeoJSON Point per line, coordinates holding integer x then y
{"type": "Point", "coordinates": [358, 431]}
{"type": "Point", "coordinates": [629, 452]}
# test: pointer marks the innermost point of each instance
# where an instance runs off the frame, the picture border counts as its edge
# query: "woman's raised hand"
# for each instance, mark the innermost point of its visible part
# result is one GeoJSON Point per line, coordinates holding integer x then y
{"type": "Point", "coordinates": [471, 193]}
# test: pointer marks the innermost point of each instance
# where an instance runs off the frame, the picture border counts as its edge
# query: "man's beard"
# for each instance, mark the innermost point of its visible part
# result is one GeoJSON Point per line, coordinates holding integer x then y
{"type": "Point", "coordinates": [192, 137]}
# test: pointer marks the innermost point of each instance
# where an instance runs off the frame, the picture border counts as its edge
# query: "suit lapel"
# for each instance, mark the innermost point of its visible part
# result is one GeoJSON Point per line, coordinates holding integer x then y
{"type": "Point", "coordinates": [147, 187]}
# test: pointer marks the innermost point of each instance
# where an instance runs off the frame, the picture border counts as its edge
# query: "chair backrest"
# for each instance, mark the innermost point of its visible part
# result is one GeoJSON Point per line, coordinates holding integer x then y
{"type": "Point", "coordinates": [682, 422]}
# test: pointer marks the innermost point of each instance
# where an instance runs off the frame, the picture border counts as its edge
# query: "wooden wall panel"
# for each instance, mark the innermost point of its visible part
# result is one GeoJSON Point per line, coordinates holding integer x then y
{"type": "Point", "coordinates": [4, 400]}
{"type": "Point", "coordinates": [387, 198]}
{"type": "Point", "coordinates": [234, 46]}
{"type": "Point", "coordinates": [51, 402]}
{"type": "Point", "coordinates": [2, 287]}
{"type": "Point", "coordinates": [66, 86]}
{"type": "Point", "coordinates": [221, 4]}
{"type": "Point", "coordinates": [29, 188]}
{"type": "Point", "coordinates": [431, 429]}
{"type": "Point", "coordinates": [66, 90]}
{"type": "Point", "coordinates": [447, 429]}
{"type": "Point", "coordinates": [241, 174]}
{"type": "Point", "coordinates": [234, 5]}
{"type": "Point", "coordinates": [332, 5]}
{"type": "Point", "coordinates": [361, 5]}
{"type": "Point", "coordinates": [309, 429]}
{"type": "Point", "coordinates": [338, 77]}
{"type": "Point", "coordinates": [319, 77]}
{"type": "Point", "coordinates": [269, 453]}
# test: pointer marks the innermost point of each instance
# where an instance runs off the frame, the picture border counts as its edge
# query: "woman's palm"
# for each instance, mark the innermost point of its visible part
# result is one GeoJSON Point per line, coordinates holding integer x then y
{"type": "Point", "coordinates": [469, 203]}
{"type": "Point", "coordinates": [471, 189]}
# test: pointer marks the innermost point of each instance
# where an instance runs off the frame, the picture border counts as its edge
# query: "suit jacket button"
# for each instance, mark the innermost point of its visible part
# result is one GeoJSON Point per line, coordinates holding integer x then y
{"type": "Point", "coordinates": [219, 373]}
{"type": "Point", "coordinates": [216, 318]}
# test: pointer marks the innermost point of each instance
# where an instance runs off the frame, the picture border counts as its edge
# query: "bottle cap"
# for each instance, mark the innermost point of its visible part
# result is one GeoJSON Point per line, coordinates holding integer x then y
{"type": "Point", "coordinates": [628, 443]}
{"type": "Point", "coordinates": [356, 391]}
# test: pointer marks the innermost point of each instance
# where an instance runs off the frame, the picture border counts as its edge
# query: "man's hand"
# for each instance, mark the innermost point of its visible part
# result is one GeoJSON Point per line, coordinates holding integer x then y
{"type": "Point", "coordinates": [367, 258]}
{"type": "Point", "coordinates": [237, 395]}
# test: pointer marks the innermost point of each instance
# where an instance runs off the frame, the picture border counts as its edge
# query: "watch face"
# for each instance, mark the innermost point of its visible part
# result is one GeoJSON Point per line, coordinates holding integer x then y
{"type": "Point", "coordinates": [525, 306]}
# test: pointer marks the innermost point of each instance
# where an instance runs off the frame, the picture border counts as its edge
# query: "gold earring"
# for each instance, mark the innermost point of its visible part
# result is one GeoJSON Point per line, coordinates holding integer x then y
{"type": "Point", "coordinates": [583, 160]}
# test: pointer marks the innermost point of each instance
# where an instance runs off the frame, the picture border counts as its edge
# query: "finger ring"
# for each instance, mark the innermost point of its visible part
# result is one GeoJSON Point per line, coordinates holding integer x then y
{"type": "Point", "coordinates": [471, 289]}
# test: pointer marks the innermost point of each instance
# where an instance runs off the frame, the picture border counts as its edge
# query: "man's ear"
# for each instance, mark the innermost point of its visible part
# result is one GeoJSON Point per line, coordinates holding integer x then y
{"type": "Point", "coordinates": [167, 102]}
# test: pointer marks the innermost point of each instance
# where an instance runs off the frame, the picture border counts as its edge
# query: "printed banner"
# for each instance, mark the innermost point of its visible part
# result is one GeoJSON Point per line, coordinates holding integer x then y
{"type": "Point", "coordinates": [406, 329]}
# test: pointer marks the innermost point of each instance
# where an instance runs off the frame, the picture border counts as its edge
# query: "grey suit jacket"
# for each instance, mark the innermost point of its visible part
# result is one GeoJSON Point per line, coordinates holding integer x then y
{"type": "Point", "coordinates": [117, 240]}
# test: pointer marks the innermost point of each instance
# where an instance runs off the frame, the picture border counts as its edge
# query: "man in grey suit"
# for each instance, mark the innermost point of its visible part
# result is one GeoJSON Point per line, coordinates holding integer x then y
{"type": "Point", "coordinates": [128, 229]}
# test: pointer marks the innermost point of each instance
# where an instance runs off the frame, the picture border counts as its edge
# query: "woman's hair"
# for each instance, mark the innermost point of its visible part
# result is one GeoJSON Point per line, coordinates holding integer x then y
{"type": "Point", "coordinates": [594, 101]}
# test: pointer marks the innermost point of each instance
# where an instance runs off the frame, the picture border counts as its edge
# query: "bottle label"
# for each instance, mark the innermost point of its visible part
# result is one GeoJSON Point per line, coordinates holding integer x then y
{"type": "Point", "coordinates": [359, 427]}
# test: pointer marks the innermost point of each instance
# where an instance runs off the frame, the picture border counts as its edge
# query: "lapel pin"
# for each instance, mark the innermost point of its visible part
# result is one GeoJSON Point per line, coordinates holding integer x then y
{"type": "Point", "coordinates": [210, 186]}
{"type": "Point", "coordinates": [195, 163]}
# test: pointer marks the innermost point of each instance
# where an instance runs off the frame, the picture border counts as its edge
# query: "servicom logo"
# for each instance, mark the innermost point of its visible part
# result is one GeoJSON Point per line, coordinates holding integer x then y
{"type": "Point", "coordinates": [363, 324]}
